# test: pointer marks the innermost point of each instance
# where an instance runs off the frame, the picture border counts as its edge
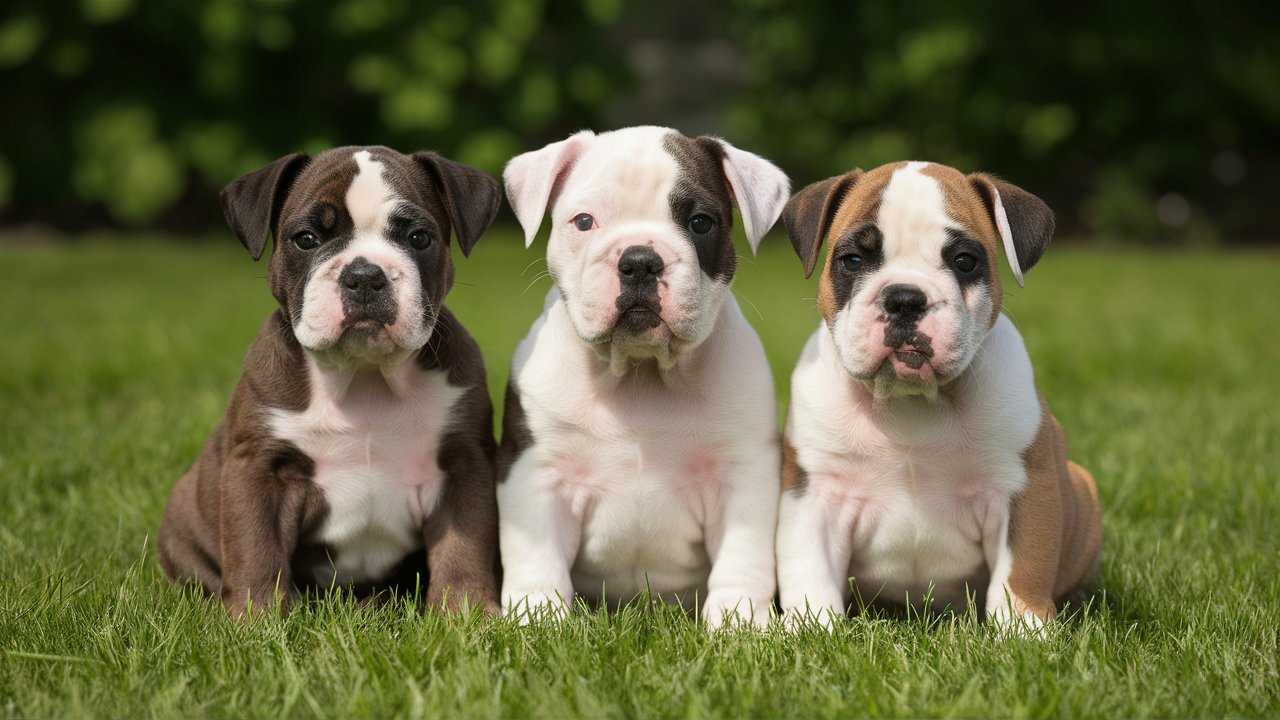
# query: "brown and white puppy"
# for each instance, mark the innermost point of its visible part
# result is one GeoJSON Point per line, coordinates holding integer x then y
{"type": "Point", "coordinates": [360, 434]}
{"type": "Point", "coordinates": [920, 459]}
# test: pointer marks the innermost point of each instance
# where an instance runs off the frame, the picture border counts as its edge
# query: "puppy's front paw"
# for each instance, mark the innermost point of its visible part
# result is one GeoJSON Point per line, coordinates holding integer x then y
{"type": "Point", "coordinates": [535, 607]}
{"type": "Point", "coordinates": [825, 618]}
{"type": "Point", "coordinates": [1011, 623]}
{"type": "Point", "coordinates": [730, 611]}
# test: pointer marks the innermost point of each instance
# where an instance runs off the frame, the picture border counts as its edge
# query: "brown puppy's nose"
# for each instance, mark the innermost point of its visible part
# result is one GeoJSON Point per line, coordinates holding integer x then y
{"type": "Point", "coordinates": [639, 264]}
{"type": "Point", "coordinates": [362, 276]}
{"type": "Point", "coordinates": [905, 301]}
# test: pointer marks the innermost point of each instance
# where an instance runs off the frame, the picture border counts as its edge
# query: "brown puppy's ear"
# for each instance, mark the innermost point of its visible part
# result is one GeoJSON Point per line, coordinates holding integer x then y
{"type": "Point", "coordinates": [808, 215]}
{"type": "Point", "coordinates": [252, 202]}
{"type": "Point", "coordinates": [470, 196]}
{"type": "Point", "coordinates": [1024, 221]}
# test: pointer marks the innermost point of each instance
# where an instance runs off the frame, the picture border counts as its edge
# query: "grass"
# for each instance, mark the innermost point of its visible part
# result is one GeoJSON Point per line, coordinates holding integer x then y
{"type": "Point", "coordinates": [117, 359]}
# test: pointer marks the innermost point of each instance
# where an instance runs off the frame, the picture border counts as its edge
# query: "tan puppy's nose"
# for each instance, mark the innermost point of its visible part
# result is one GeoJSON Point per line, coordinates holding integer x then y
{"type": "Point", "coordinates": [903, 302]}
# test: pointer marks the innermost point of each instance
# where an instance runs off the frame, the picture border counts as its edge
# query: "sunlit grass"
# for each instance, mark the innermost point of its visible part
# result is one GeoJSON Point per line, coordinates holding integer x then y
{"type": "Point", "coordinates": [117, 359]}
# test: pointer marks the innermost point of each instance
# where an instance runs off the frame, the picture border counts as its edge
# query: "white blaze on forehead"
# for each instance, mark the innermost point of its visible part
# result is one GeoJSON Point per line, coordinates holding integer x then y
{"type": "Point", "coordinates": [913, 215]}
{"type": "Point", "coordinates": [369, 199]}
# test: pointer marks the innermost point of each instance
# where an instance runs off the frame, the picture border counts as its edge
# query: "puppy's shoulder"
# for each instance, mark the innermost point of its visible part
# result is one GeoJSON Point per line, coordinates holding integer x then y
{"type": "Point", "coordinates": [453, 351]}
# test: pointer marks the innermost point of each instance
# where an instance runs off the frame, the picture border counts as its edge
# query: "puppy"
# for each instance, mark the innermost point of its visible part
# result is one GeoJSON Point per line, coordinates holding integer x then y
{"type": "Point", "coordinates": [360, 434]}
{"type": "Point", "coordinates": [640, 447]}
{"type": "Point", "coordinates": [919, 458]}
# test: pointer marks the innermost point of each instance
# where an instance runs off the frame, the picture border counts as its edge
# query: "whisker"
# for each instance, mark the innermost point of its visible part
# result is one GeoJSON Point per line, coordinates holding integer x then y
{"type": "Point", "coordinates": [531, 264]}
{"type": "Point", "coordinates": [747, 300]}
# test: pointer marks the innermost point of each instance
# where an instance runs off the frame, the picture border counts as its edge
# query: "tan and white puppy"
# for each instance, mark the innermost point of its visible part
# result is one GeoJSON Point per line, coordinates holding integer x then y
{"type": "Point", "coordinates": [640, 448]}
{"type": "Point", "coordinates": [920, 459]}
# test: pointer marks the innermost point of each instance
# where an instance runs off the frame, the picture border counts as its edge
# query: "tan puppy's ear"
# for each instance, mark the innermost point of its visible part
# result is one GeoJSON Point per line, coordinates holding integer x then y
{"type": "Point", "coordinates": [809, 213]}
{"type": "Point", "coordinates": [533, 179]}
{"type": "Point", "coordinates": [1024, 221]}
{"type": "Point", "coordinates": [470, 196]}
{"type": "Point", "coordinates": [252, 202]}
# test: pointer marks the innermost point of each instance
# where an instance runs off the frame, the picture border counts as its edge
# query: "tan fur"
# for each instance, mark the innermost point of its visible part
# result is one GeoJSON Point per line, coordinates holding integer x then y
{"type": "Point", "coordinates": [793, 476]}
{"type": "Point", "coordinates": [966, 206]}
{"type": "Point", "coordinates": [862, 203]}
{"type": "Point", "coordinates": [1055, 525]}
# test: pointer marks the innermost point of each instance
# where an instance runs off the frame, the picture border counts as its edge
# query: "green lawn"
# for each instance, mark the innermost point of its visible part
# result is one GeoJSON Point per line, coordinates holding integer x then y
{"type": "Point", "coordinates": [117, 359]}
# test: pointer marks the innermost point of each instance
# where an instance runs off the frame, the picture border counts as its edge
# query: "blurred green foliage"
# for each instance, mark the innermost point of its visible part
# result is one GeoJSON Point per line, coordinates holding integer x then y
{"type": "Point", "coordinates": [1144, 119]}
{"type": "Point", "coordinates": [134, 111]}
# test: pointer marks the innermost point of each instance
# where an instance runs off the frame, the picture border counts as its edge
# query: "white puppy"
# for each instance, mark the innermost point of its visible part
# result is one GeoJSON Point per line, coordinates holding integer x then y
{"type": "Point", "coordinates": [640, 444]}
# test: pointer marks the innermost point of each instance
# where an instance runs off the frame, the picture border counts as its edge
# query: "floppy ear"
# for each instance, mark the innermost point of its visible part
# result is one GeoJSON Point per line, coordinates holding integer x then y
{"type": "Point", "coordinates": [759, 189]}
{"type": "Point", "coordinates": [470, 196]}
{"type": "Point", "coordinates": [534, 178]}
{"type": "Point", "coordinates": [809, 213]}
{"type": "Point", "coordinates": [252, 202]}
{"type": "Point", "coordinates": [1024, 221]}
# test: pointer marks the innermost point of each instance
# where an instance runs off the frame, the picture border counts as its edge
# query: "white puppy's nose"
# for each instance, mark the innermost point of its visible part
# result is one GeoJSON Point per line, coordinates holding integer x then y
{"type": "Point", "coordinates": [639, 265]}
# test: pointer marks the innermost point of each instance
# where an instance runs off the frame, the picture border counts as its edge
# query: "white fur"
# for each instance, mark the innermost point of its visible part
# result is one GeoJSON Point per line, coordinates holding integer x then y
{"type": "Point", "coordinates": [370, 202]}
{"type": "Point", "coordinates": [913, 221]}
{"type": "Point", "coordinates": [760, 190]}
{"type": "Point", "coordinates": [910, 497]}
{"type": "Point", "coordinates": [373, 434]}
{"type": "Point", "coordinates": [641, 475]}
{"type": "Point", "coordinates": [668, 483]}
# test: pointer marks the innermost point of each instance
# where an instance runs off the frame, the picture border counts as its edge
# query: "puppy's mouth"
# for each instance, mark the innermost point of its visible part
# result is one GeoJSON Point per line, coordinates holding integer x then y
{"type": "Point", "coordinates": [911, 358]}
{"type": "Point", "coordinates": [638, 317]}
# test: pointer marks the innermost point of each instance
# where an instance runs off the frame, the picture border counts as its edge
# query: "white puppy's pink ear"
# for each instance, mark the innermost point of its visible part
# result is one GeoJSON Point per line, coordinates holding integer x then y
{"type": "Point", "coordinates": [532, 179]}
{"type": "Point", "coordinates": [1023, 221]}
{"type": "Point", "coordinates": [760, 190]}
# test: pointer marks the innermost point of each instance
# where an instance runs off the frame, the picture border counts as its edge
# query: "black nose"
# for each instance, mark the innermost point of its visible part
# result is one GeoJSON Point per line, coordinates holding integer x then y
{"type": "Point", "coordinates": [904, 300]}
{"type": "Point", "coordinates": [362, 276]}
{"type": "Point", "coordinates": [639, 264]}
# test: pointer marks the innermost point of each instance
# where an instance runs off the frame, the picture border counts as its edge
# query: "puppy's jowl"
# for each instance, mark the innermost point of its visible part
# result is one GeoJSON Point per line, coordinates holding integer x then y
{"type": "Point", "coordinates": [920, 456]}
{"type": "Point", "coordinates": [359, 438]}
{"type": "Point", "coordinates": [640, 446]}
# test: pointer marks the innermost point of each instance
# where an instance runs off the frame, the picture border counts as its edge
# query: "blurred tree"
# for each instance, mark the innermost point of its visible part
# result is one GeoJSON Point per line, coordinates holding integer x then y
{"type": "Point", "coordinates": [1140, 118]}
{"type": "Point", "coordinates": [140, 109]}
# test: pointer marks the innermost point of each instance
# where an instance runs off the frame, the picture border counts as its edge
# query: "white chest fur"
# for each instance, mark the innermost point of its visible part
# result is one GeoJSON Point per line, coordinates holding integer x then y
{"type": "Point", "coordinates": [374, 442]}
{"type": "Point", "coordinates": [641, 476]}
{"type": "Point", "coordinates": [912, 488]}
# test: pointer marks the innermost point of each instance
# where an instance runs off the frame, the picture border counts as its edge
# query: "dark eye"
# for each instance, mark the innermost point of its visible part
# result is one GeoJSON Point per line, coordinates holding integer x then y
{"type": "Point", "coordinates": [701, 224]}
{"type": "Point", "coordinates": [965, 262]}
{"type": "Point", "coordinates": [583, 222]}
{"type": "Point", "coordinates": [420, 239]}
{"type": "Point", "coordinates": [851, 262]}
{"type": "Point", "coordinates": [307, 240]}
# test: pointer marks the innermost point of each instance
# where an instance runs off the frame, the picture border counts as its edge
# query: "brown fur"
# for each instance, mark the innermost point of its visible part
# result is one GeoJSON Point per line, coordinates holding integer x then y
{"type": "Point", "coordinates": [239, 521]}
{"type": "Point", "coordinates": [794, 477]}
{"type": "Point", "coordinates": [1055, 525]}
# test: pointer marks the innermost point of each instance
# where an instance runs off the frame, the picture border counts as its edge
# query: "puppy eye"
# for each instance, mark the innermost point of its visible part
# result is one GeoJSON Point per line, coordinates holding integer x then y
{"type": "Point", "coordinates": [701, 224]}
{"type": "Point", "coordinates": [851, 262]}
{"type": "Point", "coordinates": [307, 240]}
{"type": "Point", "coordinates": [583, 222]}
{"type": "Point", "coordinates": [420, 239]}
{"type": "Point", "coordinates": [964, 262]}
